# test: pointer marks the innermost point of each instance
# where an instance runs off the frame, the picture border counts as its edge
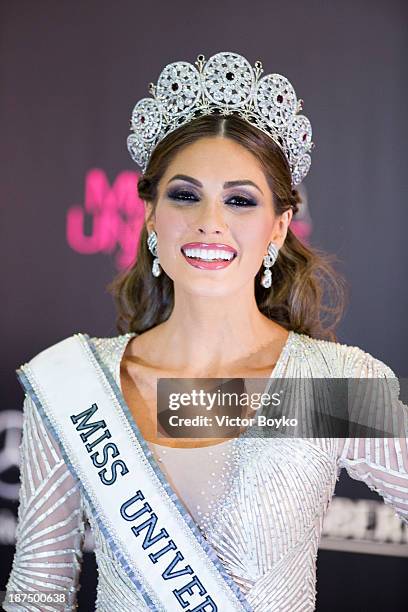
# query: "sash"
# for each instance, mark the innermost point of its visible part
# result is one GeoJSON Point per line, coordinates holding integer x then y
{"type": "Point", "coordinates": [150, 532]}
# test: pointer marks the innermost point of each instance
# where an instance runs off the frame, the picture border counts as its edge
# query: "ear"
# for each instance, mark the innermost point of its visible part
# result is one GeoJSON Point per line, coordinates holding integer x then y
{"type": "Point", "coordinates": [281, 227]}
{"type": "Point", "coordinates": [149, 216]}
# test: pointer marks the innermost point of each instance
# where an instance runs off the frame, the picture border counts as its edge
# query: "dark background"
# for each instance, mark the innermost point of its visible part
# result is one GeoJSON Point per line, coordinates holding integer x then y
{"type": "Point", "coordinates": [70, 74]}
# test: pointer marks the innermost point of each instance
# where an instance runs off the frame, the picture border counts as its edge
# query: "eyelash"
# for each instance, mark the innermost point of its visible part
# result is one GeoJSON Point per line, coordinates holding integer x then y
{"type": "Point", "coordinates": [175, 195]}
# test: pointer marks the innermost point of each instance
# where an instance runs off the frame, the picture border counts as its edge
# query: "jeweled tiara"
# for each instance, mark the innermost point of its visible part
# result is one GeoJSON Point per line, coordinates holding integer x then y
{"type": "Point", "coordinates": [226, 84]}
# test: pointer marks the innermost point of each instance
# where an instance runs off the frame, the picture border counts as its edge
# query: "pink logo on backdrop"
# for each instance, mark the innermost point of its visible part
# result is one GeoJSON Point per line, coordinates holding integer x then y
{"type": "Point", "coordinates": [112, 216]}
{"type": "Point", "coordinates": [110, 219]}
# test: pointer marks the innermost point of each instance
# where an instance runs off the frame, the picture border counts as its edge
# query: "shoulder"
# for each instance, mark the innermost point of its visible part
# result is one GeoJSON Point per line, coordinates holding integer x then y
{"type": "Point", "coordinates": [110, 344]}
{"type": "Point", "coordinates": [111, 349]}
{"type": "Point", "coordinates": [53, 361]}
{"type": "Point", "coordinates": [343, 359]}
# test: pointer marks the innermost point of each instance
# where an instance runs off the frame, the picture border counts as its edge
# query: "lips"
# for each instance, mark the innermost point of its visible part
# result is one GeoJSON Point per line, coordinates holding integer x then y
{"type": "Point", "coordinates": [196, 261]}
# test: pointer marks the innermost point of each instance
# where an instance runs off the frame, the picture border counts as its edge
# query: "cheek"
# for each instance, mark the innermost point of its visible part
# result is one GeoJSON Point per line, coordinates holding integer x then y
{"type": "Point", "coordinates": [253, 243]}
{"type": "Point", "coordinates": [253, 239]}
{"type": "Point", "coordinates": [171, 229]}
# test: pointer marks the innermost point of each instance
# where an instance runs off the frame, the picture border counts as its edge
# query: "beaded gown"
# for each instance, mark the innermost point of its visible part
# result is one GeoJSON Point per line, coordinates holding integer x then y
{"type": "Point", "coordinates": [259, 502]}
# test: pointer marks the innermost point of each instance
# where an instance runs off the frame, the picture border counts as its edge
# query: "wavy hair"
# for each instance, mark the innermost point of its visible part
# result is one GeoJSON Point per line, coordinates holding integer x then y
{"type": "Point", "coordinates": [307, 294]}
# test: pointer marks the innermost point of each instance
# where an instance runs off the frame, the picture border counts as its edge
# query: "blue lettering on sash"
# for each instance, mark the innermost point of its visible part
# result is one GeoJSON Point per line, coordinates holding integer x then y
{"type": "Point", "coordinates": [106, 448]}
{"type": "Point", "coordinates": [207, 605]}
{"type": "Point", "coordinates": [168, 573]}
{"type": "Point", "coordinates": [188, 588]}
{"type": "Point", "coordinates": [150, 524]}
{"type": "Point", "coordinates": [86, 415]}
{"type": "Point", "coordinates": [154, 557]}
{"type": "Point", "coordinates": [109, 474]}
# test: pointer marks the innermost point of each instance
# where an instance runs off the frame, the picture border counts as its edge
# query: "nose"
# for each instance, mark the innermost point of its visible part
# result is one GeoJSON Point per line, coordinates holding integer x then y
{"type": "Point", "coordinates": [210, 219]}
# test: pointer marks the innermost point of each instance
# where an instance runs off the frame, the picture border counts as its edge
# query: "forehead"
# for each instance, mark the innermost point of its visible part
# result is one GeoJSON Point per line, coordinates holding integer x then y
{"type": "Point", "coordinates": [216, 157]}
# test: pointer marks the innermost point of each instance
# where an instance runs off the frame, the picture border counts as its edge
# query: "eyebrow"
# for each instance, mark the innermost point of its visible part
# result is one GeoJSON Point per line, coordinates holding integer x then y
{"type": "Point", "coordinates": [194, 181]}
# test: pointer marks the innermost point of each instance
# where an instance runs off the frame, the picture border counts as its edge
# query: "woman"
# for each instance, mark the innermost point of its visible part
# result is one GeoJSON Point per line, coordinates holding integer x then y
{"type": "Point", "coordinates": [205, 523]}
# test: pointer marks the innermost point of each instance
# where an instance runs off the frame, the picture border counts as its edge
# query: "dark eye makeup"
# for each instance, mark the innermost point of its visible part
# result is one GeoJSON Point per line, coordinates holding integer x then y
{"type": "Point", "coordinates": [185, 195]}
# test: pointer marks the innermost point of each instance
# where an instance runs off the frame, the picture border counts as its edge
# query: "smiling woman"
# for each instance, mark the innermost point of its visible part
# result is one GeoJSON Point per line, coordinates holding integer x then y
{"type": "Point", "coordinates": [195, 523]}
{"type": "Point", "coordinates": [307, 295]}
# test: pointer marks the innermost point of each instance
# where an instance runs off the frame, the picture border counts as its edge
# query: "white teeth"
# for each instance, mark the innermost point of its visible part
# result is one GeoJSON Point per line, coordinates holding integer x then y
{"type": "Point", "coordinates": [209, 254]}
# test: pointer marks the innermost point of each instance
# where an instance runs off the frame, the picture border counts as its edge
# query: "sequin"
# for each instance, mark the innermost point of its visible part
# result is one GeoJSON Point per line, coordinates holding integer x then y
{"type": "Point", "coordinates": [259, 502]}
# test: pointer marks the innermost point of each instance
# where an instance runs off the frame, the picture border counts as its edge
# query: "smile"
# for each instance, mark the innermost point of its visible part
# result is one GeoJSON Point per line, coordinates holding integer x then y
{"type": "Point", "coordinates": [208, 256]}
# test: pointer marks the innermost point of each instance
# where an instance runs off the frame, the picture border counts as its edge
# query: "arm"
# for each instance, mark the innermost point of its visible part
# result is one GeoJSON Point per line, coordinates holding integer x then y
{"type": "Point", "coordinates": [382, 463]}
{"type": "Point", "coordinates": [50, 528]}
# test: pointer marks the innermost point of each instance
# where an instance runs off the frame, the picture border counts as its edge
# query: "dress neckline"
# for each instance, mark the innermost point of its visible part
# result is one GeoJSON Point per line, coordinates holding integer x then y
{"type": "Point", "coordinates": [285, 351]}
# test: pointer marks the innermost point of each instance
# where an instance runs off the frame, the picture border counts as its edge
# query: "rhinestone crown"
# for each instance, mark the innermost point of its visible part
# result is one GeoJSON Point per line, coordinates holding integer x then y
{"type": "Point", "coordinates": [226, 83]}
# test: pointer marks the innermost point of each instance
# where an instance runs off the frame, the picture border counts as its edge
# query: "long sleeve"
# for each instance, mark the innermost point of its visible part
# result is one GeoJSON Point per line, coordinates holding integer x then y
{"type": "Point", "coordinates": [382, 463]}
{"type": "Point", "coordinates": [50, 528]}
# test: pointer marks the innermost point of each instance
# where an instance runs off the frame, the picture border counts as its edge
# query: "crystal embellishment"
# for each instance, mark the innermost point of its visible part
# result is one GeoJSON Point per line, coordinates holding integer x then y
{"type": "Point", "coordinates": [226, 83]}
{"type": "Point", "coordinates": [152, 245]}
{"type": "Point", "coordinates": [268, 262]}
{"type": "Point", "coordinates": [228, 80]}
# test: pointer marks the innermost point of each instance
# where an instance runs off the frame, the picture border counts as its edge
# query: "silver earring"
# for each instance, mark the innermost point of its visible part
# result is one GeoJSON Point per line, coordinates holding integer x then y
{"type": "Point", "coordinates": [268, 262]}
{"type": "Point", "coordinates": [152, 246]}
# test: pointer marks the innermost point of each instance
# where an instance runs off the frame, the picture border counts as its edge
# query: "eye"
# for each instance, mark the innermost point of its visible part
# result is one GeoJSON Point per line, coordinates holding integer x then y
{"type": "Point", "coordinates": [182, 195]}
{"type": "Point", "coordinates": [244, 202]}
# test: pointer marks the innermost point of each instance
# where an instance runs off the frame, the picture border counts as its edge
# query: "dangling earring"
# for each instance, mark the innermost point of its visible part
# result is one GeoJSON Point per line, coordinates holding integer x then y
{"type": "Point", "coordinates": [152, 245]}
{"type": "Point", "coordinates": [268, 262]}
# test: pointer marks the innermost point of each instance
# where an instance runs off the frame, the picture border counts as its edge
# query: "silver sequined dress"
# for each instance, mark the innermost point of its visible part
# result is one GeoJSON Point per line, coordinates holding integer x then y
{"type": "Point", "coordinates": [260, 502]}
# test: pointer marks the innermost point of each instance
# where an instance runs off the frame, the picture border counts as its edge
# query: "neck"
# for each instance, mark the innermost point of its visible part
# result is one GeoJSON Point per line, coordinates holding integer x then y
{"type": "Point", "coordinates": [209, 333]}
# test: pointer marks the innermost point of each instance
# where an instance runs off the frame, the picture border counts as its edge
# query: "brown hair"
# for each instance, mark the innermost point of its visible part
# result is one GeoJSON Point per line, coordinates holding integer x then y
{"type": "Point", "coordinates": [307, 294]}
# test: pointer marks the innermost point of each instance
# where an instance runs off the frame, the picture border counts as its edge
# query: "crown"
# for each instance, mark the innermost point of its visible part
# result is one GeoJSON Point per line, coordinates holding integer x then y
{"type": "Point", "coordinates": [227, 84]}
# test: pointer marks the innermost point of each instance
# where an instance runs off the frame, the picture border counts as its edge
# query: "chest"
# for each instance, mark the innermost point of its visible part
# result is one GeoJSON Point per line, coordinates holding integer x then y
{"type": "Point", "coordinates": [280, 488]}
{"type": "Point", "coordinates": [139, 389]}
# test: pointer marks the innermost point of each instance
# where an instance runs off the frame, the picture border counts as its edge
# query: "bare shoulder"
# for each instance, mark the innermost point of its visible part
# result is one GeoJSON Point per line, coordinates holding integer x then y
{"type": "Point", "coordinates": [141, 343]}
{"type": "Point", "coordinates": [146, 347]}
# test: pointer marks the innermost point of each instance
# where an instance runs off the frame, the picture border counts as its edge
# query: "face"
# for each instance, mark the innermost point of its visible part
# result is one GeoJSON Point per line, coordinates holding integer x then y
{"type": "Point", "coordinates": [220, 202]}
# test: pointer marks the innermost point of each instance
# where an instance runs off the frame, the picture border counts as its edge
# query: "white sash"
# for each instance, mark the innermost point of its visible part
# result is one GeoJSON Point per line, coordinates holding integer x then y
{"type": "Point", "coordinates": [151, 533]}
